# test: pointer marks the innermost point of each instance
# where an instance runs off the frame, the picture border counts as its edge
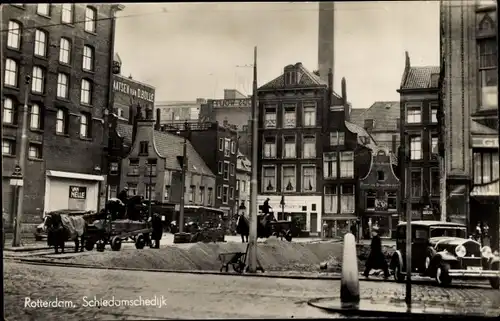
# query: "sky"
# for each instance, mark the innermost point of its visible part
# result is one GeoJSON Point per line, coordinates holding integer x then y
{"type": "Point", "coordinates": [191, 50]}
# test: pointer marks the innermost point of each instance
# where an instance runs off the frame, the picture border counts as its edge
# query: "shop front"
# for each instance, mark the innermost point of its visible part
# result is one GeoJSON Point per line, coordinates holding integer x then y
{"type": "Point", "coordinates": [484, 204]}
{"type": "Point", "coordinates": [337, 227]}
{"type": "Point", "coordinates": [75, 191]}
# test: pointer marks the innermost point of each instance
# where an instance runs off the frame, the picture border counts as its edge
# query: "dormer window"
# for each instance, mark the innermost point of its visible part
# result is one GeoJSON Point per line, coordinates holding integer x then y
{"type": "Point", "coordinates": [291, 78]}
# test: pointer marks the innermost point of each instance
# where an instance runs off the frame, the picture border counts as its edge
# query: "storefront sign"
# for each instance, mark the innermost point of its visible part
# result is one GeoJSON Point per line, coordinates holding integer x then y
{"type": "Point", "coordinates": [378, 185]}
{"type": "Point", "coordinates": [134, 89]}
{"type": "Point", "coordinates": [78, 192]}
{"type": "Point", "coordinates": [245, 102]}
{"type": "Point", "coordinates": [485, 142]}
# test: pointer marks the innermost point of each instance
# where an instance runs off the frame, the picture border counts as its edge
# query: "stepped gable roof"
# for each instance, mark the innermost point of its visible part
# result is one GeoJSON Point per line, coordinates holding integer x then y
{"type": "Point", "coordinates": [169, 146]}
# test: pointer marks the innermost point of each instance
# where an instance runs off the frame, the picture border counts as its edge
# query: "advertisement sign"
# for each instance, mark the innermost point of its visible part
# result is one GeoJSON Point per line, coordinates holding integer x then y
{"type": "Point", "coordinates": [485, 142]}
{"type": "Point", "coordinates": [77, 197]}
{"type": "Point", "coordinates": [245, 102]}
{"type": "Point", "coordinates": [133, 89]}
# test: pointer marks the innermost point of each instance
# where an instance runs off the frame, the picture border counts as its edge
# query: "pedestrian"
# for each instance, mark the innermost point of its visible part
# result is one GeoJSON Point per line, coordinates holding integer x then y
{"type": "Point", "coordinates": [325, 229]}
{"type": "Point", "coordinates": [266, 207]}
{"type": "Point", "coordinates": [486, 235]}
{"type": "Point", "coordinates": [478, 232]}
{"type": "Point", "coordinates": [376, 259]}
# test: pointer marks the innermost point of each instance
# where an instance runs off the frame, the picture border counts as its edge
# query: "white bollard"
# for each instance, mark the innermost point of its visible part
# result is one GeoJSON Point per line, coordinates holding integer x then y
{"type": "Point", "coordinates": [349, 288]}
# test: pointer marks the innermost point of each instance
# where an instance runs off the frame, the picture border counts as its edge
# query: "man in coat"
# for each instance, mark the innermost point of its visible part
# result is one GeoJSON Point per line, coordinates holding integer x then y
{"type": "Point", "coordinates": [376, 259]}
{"type": "Point", "coordinates": [266, 207]}
{"type": "Point", "coordinates": [123, 195]}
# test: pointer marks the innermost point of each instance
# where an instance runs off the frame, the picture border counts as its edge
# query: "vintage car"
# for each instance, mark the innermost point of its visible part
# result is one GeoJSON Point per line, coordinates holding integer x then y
{"type": "Point", "coordinates": [441, 250]}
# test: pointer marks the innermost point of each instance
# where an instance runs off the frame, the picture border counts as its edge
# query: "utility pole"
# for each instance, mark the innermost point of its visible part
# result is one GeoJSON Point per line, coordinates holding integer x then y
{"type": "Point", "coordinates": [21, 167]}
{"type": "Point", "coordinates": [150, 187]}
{"type": "Point", "coordinates": [497, 232]}
{"type": "Point", "coordinates": [183, 179]}
{"type": "Point", "coordinates": [254, 208]}
{"type": "Point", "coordinates": [408, 218]}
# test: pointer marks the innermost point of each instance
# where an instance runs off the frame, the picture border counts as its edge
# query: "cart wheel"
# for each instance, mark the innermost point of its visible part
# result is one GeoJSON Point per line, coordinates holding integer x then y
{"type": "Point", "coordinates": [239, 267]}
{"type": "Point", "coordinates": [140, 242]}
{"type": "Point", "coordinates": [100, 246]}
{"type": "Point", "coordinates": [89, 245]}
{"type": "Point", "coordinates": [288, 236]}
{"type": "Point", "coordinates": [116, 243]}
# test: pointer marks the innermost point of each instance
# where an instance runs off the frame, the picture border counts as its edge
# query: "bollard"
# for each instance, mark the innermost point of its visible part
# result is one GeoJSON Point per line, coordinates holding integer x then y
{"type": "Point", "coordinates": [349, 288]}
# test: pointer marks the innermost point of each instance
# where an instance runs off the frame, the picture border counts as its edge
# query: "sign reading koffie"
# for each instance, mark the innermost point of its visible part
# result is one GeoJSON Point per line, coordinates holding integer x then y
{"type": "Point", "coordinates": [78, 192]}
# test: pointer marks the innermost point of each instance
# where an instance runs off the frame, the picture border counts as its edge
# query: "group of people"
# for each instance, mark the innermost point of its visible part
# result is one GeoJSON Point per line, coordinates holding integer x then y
{"type": "Point", "coordinates": [482, 233]}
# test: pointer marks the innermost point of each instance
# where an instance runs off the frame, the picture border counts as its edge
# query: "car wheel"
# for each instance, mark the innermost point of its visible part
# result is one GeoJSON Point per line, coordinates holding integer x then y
{"type": "Point", "coordinates": [140, 242]}
{"type": "Point", "coordinates": [398, 274]}
{"type": "Point", "coordinates": [443, 277]}
{"type": "Point", "coordinates": [89, 245]}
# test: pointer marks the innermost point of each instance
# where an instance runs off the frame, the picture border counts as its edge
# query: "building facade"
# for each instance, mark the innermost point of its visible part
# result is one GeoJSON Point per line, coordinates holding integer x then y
{"type": "Point", "coordinates": [222, 160]}
{"type": "Point", "coordinates": [66, 98]}
{"type": "Point", "coordinates": [179, 111]}
{"type": "Point", "coordinates": [243, 176]}
{"type": "Point", "coordinates": [153, 166]}
{"type": "Point", "coordinates": [289, 151]}
{"type": "Point", "coordinates": [470, 100]}
{"type": "Point", "coordinates": [129, 92]}
{"type": "Point", "coordinates": [419, 92]}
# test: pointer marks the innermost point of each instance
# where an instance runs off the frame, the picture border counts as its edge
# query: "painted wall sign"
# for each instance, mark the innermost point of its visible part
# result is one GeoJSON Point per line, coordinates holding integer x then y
{"type": "Point", "coordinates": [78, 192]}
{"type": "Point", "coordinates": [245, 102]}
{"type": "Point", "coordinates": [134, 89]}
{"type": "Point", "coordinates": [378, 185]}
{"type": "Point", "coordinates": [485, 142]}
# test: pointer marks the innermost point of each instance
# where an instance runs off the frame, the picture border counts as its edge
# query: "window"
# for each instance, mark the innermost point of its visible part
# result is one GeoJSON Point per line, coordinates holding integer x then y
{"type": "Point", "coordinates": [61, 122]}
{"type": "Point", "coordinates": [488, 72]}
{"type": "Point", "coordinates": [309, 147]}
{"type": "Point", "coordinates": [14, 35]}
{"type": "Point", "coordinates": [86, 92]}
{"type": "Point", "coordinates": [392, 201]}
{"type": "Point", "coordinates": [226, 170]}
{"type": "Point", "coordinates": [289, 147]}
{"type": "Point", "coordinates": [243, 185]}
{"type": "Point", "coordinates": [133, 167]}
{"type": "Point", "coordinates": [485, 167]}
{"type": "Point", "coordinates": [269, 179]}
{"type": "Point", "coordinates": [227, 147]}
{"type": "Point", "coordinates": [67, 13]}
{"type": "Point", "coordinates": [290, 78]}
{"type": "Point", "coordinates": [191, 194]}
{"type": "Point", "coordinates": [413, 115]}
{"type": "Point", "coordinates": [368, 124]}
{"type": "Point", "coordinates": [337, 139]}
{"type": "Point", "coordinates": [132, 189]}
{"type": "Point", "coordinates": [150, 192]}
{"type": "Point", "coordinates": [370, 200]}
{"type": "Point", "coordinates": [330, 165]}
{"type": "Point", "coordinates": [43, 9]}
{"type": "Point", "coordinates": [434, 144]}
{"type": "Point", "coordinates": [113, 168]}
{"type": "Point", "coordinates": [347, 164]}
{"type": "Point", "coordinates": [269, 147]}
{"type": "Point", "coordinates": [10, 73]}
{"type": "Point", "coordinates": [90, 19]}
{"type": "Point", "coordinates": [84, 125]}
{"type": "Point", "coordinates": [221, 143]}
{"type": "Point", "coordinates": [219, 167]}
{"type": "Point", "coordinates": [8, 147]}
{"type": "Point", "coordinates": [62, 85]}
{"type": "Point", "coordinates": [64, 51]}
{"type": "Point", "coordinates": [289, 116]}
{"type": "Point", "coordinates": [35, 120]}
{"type": "Point", "coordinates": [219, 192]}
{"type": "Point", "coordinates": [288, 182]}
{"type": "Point", "coordinates": [233, 147]}
{"type": "Point", "coordinates": [112, 191]}
{"type": "Point", "coordinates": [225, 194]}
{"type": "Point", "coordinates": [231, 193]}
{"type": "Point", "coordinates": [415, 147]}
{"type": "Point", "coordinates": [40, 43]}
{"type": "Point", "coordinates": [210, 196]}
{"type": "Point", "coordinates": [435, 177]}
{"type": "Point", "coordinates": [347, 204]}
{"type": "Point", "coordinates": [416, 183]}
{"type": "Point", "coordinates": [201, 197]}
{"type": "Point", "coordinates": [309, 179]}
{"type": "Point", "coordinates": [238, 184]}
{"type": "Point", "coordinates": [270, 117]}
{"type": "Point", "coordinates": [144, 148]}
{"type": "Point", "coordinates": [380, 176]}
{"type": "Point", "coordinates": [35, 151]}
{"type": "Point", "coordinates": [309, 114]}
{"type": "Point", "coordinates": [434, 118]}
{"type": "Point", "coordinates": [38, 80]}
{"type": "Point", "coordinates": [232, 169]}
{"type": "Point", "coordinates": [331, 199]}
{"type": "Point", "coordinates": [88, 58]}
{"type": "Point", "coordinates": [9, 113]}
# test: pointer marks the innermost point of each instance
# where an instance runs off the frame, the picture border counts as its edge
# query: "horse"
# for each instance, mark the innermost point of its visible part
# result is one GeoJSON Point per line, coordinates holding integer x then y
{"type": "Point", "coordinates": [61, 228]}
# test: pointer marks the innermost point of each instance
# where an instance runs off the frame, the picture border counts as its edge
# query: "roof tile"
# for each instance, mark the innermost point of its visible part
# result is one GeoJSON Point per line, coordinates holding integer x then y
{"type": "Point", "coordinates": [385, 115]}
{"type": "Point", "coordinates": [421, 78]}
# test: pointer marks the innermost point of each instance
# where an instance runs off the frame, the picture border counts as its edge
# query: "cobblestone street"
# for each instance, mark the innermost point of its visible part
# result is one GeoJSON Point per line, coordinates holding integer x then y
{"type": "Point", "coordinates": [198, 296]}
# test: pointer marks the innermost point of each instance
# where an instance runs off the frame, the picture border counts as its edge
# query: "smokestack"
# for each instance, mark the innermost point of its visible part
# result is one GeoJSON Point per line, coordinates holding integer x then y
{"type": "Point", "coordinates": [326, 41]}
{"type": "Point", "coordinates": [157, 122]}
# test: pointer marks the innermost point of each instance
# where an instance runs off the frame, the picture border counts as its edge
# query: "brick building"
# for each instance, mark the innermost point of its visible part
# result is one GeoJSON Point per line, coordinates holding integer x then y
{"type": "Point", "coordinates": [69, 64]}
{"type": "Point", "coordinates": [221, 160]}
{"type": "Point", "coordinates": [419, 92]}
{"type": "Point", "coordinates": [470, 92]}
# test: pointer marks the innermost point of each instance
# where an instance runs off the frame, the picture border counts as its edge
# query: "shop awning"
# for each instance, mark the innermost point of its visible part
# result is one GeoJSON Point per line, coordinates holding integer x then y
{"type": "Point", "coordinates": [70, 175]}
{"type": "Point", "coordinates": [483, 136]}
{"type": "Point", "coordinates": [491, 189]}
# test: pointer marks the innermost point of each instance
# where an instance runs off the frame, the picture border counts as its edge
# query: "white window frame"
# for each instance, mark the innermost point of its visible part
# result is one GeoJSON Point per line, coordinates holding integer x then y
{"type": "Point", "coordinates": [62, 85]}
{"type": "Point", "coordinates": [347, 158]}
{"type": "Point", "coordinates": [232, 169]}
{"type": "Point", "coordinates": [233, 147]}
{"type": "Point", "coordinates": [38, 80]}
{"type": "Point", "coordinates": [90, 19]}
{"type": "Point", "coordinates": [413, 113]}
{"type": "Point", "coordinates": [219, 192]}
{"type": "Point", "coordinates": [293, 154]}
{"type": "Point", "coordinates": [8, 147]}
{"type": "Point", "coordinates": [210, 195]}
{"type": "Point", "coordinates": [434, 112]}
{"type": "Point", "coordinates": [309, 109]}
{"type": "Point", "coordinates": [14, 35]}
{"type": "Point", "coordinates": [308, 138]}
{"type": "Point", "coordinates": [86, 92]}
{"type": "Point", "coordinates": [412, 189]}
{"type": "Point", "coordinates": [487, 67]}
{"type": "Point", "coordinates": [264, 187]}
{"type": "Point", "coordinates": [221, 144]}
{"type": "Point", "coordinates": [67, 13]}
{"type": "Point", "coordinates": [84, 126]}
{"type": "Point", "coordinates": [9, 114]}
{"type": "Point", "coordinates": [35, 151]}
{"type": "Point", "coordinates": [65, 51]}
{"type": "Point", "coordinates": [43, 9]}
{"type": "Point", "coordinates": [333, 199]}
{"type": "Point", "coordinates": [227, 147]}
{"type": "Point", "coordinates": [271, 116]}
{"type": "Point", "coordinates": [60, 121]}
{"type": "Point", "coordinates": [283, 184]}
{"type": "Point", "coordinates": [289, 109]}
{"type": "Point", "coordinates": [231, 193]}
{"type": "Point", "coordinates": [201, 195]}
{"type": "Point", "coordinates": [11, 72]}
{"type": "Point", "coordinates": [88, 58]}
{"type": "Point", "coordinates": [225, 194]}
{"type": "Point", "coordinates": [220, 167]}
{"type": "Point", "coordinates": [35, 116]}
{"type": "Point", "coordinates": [132, 189]}
{"type": "Point", "coordinates": [330, 161]}
{"type": "Point", "coordinates": [314, 178]}
{"type": "Point", "coordinates": [269, 151]}
{"type": "Point", "coordinates": [350, 196]}
{"type": "Point", "coordinates": [40, 43]}
{"type": "Point", "coordinates": [434, 144]}
{"type": "Point", "coordinates": [226, 173]}
{"type": "Point", "coordinates": [337, 138]}
{"type": "Point", "coordinates": [416, 147]}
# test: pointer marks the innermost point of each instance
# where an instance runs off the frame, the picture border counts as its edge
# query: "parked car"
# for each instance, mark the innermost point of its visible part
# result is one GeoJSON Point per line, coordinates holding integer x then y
{"type": "Point", "coordinates": [40, 231]}
{"type": "Point", "coordinates": [441, 250]}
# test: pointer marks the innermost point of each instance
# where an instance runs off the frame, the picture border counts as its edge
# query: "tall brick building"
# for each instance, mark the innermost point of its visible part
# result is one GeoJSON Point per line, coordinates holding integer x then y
{"type": "Point", "coordinates": [67, 50]}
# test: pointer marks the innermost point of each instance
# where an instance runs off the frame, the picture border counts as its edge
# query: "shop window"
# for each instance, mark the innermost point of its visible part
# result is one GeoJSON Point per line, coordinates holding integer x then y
{"type": "Point", "coordinates": [392, 201]}
{"type": "Point", "coordinates": [370, 200]}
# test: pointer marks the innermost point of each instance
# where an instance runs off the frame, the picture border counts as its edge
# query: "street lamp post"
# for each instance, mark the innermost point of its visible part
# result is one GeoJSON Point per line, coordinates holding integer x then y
{"type": "Point", "coordinates": [21, 166]}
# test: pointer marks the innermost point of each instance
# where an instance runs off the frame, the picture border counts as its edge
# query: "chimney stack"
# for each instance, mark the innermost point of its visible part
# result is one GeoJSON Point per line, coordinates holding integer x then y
{"type": "Point", "coordinates": [347, 109]}
{"type": "Point", "coordinates": [157, 122]}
